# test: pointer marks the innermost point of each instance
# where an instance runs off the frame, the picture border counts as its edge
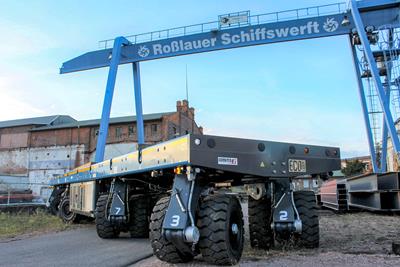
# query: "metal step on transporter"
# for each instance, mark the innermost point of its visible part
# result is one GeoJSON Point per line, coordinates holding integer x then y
{"type": "Point", "coordinates": [178, 192]}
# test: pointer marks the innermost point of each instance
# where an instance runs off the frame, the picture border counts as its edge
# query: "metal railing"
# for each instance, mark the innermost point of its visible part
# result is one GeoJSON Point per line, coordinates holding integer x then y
{"type": "Point", "coordinates": [23, 194]}
{"type": "Point", "coordinates": [292, 14]}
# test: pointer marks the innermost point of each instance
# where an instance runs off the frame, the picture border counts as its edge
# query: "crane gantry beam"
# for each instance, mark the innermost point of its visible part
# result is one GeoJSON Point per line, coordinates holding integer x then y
{"type": "Point", "coordinates": [298, 24]}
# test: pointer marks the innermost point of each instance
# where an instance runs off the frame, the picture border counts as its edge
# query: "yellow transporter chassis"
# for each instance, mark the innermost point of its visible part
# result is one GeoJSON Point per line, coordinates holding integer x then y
{"type": "Point", "coordinates": [249, 157]}
{"type": "Point", "coordinates": [242, 157]}
{"type": "Point", "coordinates": [82, 180]}
{"type": "Point", "coordinates": [164, 155]}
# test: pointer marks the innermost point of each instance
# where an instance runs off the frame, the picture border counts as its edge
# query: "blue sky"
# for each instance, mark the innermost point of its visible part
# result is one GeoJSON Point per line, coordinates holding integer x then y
{"type": "Point", "coordinates": [301, 91]}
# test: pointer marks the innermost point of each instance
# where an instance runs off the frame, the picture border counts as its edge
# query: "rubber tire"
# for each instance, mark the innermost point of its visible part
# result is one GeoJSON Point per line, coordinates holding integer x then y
{"type": "Point", "coordinates": [54, 201]}
{"type": "Point", "coordinates": [306, 205]}
{"type": "Point", "coordinates": [162, 248]}
{"type": "Point", "coordinates": [139, 217]}
{"type": "Point", "coordinates": [64, 213]}
{"type": "Point", "coordinates": [260, 218]}
{"type": "Point", "coordinates": [214, 223]}
{"type": "Point", "coordinates": [105, 229]}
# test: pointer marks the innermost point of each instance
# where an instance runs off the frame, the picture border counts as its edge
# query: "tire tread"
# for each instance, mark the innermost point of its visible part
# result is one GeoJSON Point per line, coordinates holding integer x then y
{"type": "Point", "coordinates": [307, 207]}
{"type": "Point", "coordinates": [212, 224]}
{"type": "Point", "coordinates": [261, 234]}
{"type": "Point", "coordinates": [105, 229]}
{"type": "Point", "coordinates": [162, 248]}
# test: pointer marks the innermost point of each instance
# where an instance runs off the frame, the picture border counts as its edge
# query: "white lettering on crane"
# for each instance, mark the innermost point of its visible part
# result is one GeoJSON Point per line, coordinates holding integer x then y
{"type": "Point", "coordinates": [244, 36]}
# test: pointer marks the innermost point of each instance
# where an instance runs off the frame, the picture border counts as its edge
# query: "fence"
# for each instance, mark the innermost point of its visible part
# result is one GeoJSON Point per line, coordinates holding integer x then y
{"type": "Point", "coordinates": [23, 194]}
{"type": "Point", "coordinates": [252, 20]}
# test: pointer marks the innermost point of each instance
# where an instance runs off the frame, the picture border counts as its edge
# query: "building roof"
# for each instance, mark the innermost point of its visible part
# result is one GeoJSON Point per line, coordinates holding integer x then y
{"type": "Point", "coordinates": [95, 122]}
{"type": "Point", "coordinates": [38, 121]}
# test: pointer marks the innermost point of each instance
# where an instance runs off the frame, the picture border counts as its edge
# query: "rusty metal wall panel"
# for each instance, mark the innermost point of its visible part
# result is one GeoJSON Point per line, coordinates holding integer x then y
{"type": "Point", "coordinates": [116, 150]}
{"type": "Point", "coordinates": [56, 157]}
{"type": "Point", "coordinates": [334, 194]}
{"type": "Point", "coordinates": [15, 140]}
{"type": "Point", "coordinates": [14, 162]}
{"type": "Point", "coordinates": [40, 181]}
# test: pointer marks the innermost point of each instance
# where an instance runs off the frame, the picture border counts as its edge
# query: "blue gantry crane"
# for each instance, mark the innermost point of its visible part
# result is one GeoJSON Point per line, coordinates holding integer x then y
{"type": "Point", "coordinates": [372, 27]}
{"type": "Point", "coordinates": [186, 179]}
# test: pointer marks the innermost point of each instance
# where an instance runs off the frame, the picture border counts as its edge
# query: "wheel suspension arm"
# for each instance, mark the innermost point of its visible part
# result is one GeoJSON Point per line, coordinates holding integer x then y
{"type": "Point", "coordinates": [285, 215]}
{"type": "Point", "coordinates": [179, 224]}
{"type": "Point", "coordinates": [118, 208]}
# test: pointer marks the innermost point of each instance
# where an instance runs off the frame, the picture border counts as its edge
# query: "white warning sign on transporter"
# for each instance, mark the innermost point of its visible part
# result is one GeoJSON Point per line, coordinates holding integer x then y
{"type": "Point", "coordinates": [227, 161]}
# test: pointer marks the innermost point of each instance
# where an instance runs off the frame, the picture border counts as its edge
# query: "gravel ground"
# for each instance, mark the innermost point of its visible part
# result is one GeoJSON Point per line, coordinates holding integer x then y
{"type": "Point", "coordinates": [353, 239]}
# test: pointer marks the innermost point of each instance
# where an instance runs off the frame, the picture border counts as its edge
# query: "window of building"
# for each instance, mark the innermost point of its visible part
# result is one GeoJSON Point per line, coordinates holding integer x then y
{"type": "Point", "coordinates": [131, 131]}
{"type": "Point", "coordinates": [118, 132]}
{"type": "Point", "coordinates": [154, 129]}
{"type": "Point", "coordinates": [97, 131]}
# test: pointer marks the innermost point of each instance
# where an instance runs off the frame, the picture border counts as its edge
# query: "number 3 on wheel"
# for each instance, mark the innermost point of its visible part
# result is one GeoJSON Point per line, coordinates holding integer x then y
{"type": "Point", "coordinates": [175, 220]}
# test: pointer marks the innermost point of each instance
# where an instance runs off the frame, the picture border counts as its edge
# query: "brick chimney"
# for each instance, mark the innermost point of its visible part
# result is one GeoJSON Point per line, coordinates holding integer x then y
{"type": "Point", "coordinates": [178, 106]}
{"type": "Point", "coordinates": [191, 113]}
{"type": "Point", "coordinates": [185, 105]}
{"type": "Point", "coordinates": [182, 106]}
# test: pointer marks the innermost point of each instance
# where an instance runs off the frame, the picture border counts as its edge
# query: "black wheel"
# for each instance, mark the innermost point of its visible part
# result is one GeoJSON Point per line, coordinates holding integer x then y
{"type": "Point", "coordinates": [64, 212]}
{"type": "Point", "coordinates": [139, 217]}
{"type": "Point", "coordinates": [104, 228]}
{"type": "Point", "coordinates": [220, 221]}
{"type": "Point", "coordinates": [54, 200]}
{"type": "Point", "coordinates": [162, 248]}
{"type": "Point", "coordinates": [306, 206]}
{"type": "Point", "coordinates": [260, 218]}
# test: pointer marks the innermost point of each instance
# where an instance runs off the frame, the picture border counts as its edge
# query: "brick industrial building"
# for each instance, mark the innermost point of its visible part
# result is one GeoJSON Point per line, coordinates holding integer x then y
{"type": "Point", "coordinates": [37, 149]}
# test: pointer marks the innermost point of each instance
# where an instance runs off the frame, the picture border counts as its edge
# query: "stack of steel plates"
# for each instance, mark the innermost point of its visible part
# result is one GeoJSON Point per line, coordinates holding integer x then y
{"type": "Point", "coordinates": [333, 194]}
{"type": "Point", "coordinates": [375, 192]}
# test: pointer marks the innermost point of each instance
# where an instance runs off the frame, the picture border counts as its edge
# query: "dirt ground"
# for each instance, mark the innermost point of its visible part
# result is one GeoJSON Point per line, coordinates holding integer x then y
{"type": "Point", "coordinates": [352, 239]}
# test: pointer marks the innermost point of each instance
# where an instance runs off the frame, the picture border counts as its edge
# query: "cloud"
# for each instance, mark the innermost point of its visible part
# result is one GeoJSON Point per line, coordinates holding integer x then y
{"type": "Point", "coordinates": [14, 87]}
{"type": "Point", "coordinates": [22, 40]}
{"type": "Point", "coordinates": [306, 126]}
{"type": "Point", "coordinates": [12, 108]}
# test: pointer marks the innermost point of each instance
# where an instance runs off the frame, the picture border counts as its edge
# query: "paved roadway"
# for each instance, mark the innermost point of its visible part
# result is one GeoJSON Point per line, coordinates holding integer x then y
{"type": "Point", "coordinates": [78, 247]}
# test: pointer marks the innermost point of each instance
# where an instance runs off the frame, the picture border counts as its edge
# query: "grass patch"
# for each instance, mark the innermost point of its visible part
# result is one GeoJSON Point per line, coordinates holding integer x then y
{"type": "Point", "coordinates": [14, 224]}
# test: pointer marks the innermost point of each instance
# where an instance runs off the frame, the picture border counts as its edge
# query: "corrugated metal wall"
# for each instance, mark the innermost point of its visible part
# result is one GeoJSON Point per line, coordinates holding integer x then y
{"type": "Point", "coordinates": [39, 165]}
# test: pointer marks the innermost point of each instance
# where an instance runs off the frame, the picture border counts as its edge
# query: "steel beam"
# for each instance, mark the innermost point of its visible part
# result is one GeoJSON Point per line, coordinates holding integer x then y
{"type": "Point", "coordinates": [138, 104]}
{"type": "Point", "coordinates": [105, 114]}
{"type": "Point", "coordinates": [387, 88]}
{"type": "Point", "coordinates": [383, 166]}
{"type": "Point", "coordinates": [364, 109]}
{"type": "Point", "coordinates": [208, 37]}
{"type": "Point", "coordinates": [375, 74]}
